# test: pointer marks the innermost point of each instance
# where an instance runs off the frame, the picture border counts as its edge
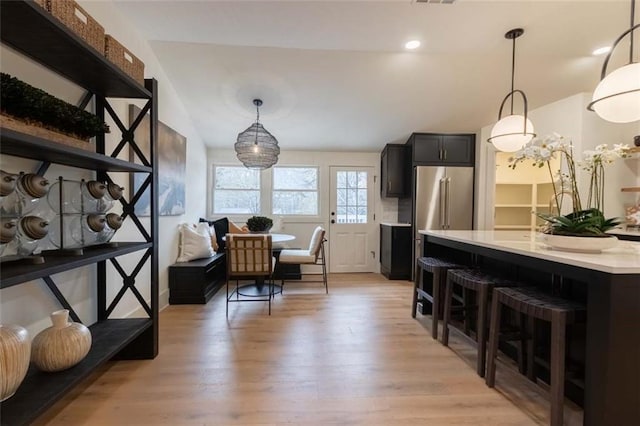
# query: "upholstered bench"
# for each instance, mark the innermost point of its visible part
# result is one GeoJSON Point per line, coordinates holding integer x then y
{"type": "Point", "coordinates": [196, 281]}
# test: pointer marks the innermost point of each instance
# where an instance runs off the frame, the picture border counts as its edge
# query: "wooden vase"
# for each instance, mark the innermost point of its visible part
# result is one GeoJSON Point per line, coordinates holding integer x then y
{"type": "Point", "coordinates": [62, 345]}
{"type": "Point", "coordinates": [15, 350]}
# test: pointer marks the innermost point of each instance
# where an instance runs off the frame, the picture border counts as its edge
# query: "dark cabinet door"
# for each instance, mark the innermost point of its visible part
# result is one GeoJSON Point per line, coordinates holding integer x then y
{"type": "Point", "coordinates": [395, 252]}
{"type": "Point", "coordinates": [441, 150]}
{"type": "Point", "coordinates": [458, 149]}
{"type": "Point", "coordinates": [393, 166]}
{"type": "Point", "coordinates": [385, 247]}
{"type": "Point", "coordinates": [427, 149]}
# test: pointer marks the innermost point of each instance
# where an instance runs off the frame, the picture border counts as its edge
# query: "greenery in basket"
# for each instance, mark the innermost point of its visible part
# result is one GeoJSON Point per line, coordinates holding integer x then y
{"type": "Point", "coordinates": [37, 107]}
{"type": "Point", "coordinates": [259, 223]}
{"type": "Point", "coordinates": [589, 221]}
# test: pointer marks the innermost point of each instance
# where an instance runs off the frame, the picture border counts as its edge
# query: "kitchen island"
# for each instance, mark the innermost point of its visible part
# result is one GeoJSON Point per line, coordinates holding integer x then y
{"type": "Point", "coordinates": [610, 283]}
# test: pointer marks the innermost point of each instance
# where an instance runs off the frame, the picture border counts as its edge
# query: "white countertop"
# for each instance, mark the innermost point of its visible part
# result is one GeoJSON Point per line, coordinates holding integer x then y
{"type": "Point", "coordinates": [634, 232]}
{"type": "Point", "coordinates": [395, 224]}
{"type": "Point", "coordinates": [622, 259]}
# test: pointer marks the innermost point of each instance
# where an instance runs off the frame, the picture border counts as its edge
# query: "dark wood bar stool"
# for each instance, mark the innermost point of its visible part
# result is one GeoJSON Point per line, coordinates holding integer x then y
{"type": "Point", "coordinates": [437, 267]}
{"type": "Point", "coordinates": [483, 284]}
{"type": "Point", "coordinates": [559, 312]}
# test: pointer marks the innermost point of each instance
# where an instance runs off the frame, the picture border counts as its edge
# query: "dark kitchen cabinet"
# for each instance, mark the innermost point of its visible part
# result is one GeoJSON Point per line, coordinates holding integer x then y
{"type": "Point", "coordinates": [432, 149]}
{"type": "Point", "coordinates": [395, 252]}
{"type": "Point", "coordinates": [395, 166]}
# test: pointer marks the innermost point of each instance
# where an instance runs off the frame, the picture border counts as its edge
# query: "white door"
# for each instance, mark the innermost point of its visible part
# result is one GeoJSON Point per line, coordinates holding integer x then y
{"type": "Point", "coordinates": [352, 229]}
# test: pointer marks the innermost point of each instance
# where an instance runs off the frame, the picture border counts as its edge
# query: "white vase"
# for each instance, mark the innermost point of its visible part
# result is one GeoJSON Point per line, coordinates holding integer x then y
{"type": "Point", "coordinates": [15, 350]}
{"type": "Point", "coordinates": [579, 244]}
{"type": "Point", "coordinates": [62, 345]}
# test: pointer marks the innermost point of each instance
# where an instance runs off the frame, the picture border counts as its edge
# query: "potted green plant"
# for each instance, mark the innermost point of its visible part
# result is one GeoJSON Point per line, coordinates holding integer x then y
{"type": "Point", "coordinates": [583, 221]}
{"type": "Point", "coordinates": [259, 224]}
{"type": "Point", "coordinates": [36, 107]}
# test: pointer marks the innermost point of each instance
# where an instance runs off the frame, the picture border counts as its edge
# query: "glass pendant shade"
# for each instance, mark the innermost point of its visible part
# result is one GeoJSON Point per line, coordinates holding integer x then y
{"type": "Point", "coordinates": [256, 148]}
{"type": "Point", "coordinates": [510, 133]}
{"type": "Point", "coordinates": [617, 96]}
{"type": "Point", "coordinates": [514, 131]}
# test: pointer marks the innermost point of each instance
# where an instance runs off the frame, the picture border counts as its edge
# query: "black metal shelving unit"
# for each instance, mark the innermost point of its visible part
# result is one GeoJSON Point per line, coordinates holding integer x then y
{"type": "Point", "coordinates": [32, 31]}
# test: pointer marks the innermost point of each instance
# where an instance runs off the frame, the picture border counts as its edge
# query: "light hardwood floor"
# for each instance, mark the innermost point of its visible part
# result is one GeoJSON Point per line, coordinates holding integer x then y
{"type": "Point", "coordinates": [352, 357]}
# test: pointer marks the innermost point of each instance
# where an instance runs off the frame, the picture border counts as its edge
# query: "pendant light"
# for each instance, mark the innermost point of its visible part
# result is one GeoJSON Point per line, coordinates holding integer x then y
{"type": "Point", "coordinates": [617, 96]}
{"type": "Point", "coordinates": [256, 148]}
{"type": "Point", "coordinates": [513, 131]}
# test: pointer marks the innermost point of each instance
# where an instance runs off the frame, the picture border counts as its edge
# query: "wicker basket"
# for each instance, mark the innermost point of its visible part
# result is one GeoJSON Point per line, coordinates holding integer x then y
{"type": "Point", "coordinates": [80, 22]}
{"type": "Point", "coordinates": [123, 59]}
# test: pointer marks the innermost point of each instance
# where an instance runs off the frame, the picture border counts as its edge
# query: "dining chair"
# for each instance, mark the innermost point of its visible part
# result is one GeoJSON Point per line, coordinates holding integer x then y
{"type": "Point", "coordinates": [314, 255]}
{"type": "Point", "coordinates": [249, 257]}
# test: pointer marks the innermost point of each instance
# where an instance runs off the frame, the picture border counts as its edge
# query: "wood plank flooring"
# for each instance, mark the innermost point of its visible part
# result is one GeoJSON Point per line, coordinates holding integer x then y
{"type": "Point", "coordinates": [352, 357]}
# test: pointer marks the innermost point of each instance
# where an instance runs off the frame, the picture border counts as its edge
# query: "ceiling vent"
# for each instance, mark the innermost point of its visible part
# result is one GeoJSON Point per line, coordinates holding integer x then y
{"type": "Point", "coordinates": [436, 1]}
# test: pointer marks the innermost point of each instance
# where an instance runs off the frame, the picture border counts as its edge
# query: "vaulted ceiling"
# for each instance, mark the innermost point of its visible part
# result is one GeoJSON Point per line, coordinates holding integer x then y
{"type": "Point", "coordinates": [334, 75]}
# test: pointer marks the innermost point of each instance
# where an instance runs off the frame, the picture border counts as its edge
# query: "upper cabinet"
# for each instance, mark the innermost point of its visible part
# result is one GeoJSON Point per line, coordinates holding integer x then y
{"type": "Point", "coordinates": [395, 166]}
{"type": "Point", "coordinates": [432, 149]}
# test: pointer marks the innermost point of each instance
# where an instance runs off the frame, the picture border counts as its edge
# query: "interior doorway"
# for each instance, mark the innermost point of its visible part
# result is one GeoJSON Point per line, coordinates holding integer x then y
{"type": "Point", "coordinates": [520, 193]}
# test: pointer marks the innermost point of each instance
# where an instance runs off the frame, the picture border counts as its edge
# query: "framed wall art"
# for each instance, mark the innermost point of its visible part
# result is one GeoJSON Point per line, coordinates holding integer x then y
{"type": "Point", "coordinates": [172, 158]}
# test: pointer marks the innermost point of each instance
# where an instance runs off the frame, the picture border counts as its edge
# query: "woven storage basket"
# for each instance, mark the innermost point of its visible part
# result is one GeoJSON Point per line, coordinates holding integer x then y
{"type": "Point", "coordinates": [80, 22]}
{"type": "Point", "coordinates": [123, 59]}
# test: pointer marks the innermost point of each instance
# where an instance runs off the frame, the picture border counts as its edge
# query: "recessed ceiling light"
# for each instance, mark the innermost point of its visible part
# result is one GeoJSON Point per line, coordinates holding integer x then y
{"type": "Point", "coordinates": [601, 50]}
{"type": "Point", "coordinates": [413, 44]}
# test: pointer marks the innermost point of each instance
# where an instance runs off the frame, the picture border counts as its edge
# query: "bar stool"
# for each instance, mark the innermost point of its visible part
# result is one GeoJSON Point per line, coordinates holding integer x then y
{"type": "Point", "coordinates": [483, 284]}
{"type": "Point", "coordinates": [438, 267]}
{"type": "Point", "coordinates": [559, 312]}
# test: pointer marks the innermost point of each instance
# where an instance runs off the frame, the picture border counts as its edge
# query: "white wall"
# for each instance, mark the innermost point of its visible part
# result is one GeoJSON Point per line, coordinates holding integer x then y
{"type": "Point", "coordinates": [29, 304]}
{"type": "Point", "coordinates": [302, 228]}
{"type": "Point", "coordinates": [570, 118]}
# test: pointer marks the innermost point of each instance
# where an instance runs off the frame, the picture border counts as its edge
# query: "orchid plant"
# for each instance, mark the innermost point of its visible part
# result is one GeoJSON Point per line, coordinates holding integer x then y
{"type": "Point", "coordinates": [583, 220]}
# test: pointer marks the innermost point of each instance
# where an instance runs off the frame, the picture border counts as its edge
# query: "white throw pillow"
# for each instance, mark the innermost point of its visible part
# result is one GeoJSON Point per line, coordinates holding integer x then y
{"type": "Point", "coordinates": [195, 243]}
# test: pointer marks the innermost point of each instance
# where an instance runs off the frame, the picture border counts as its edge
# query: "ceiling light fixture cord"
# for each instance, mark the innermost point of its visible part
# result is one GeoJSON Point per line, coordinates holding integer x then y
{"type": "Point", "coordinates": [257, 103]}
{"type": "Point", "coordinates": [633, 15]}
{"type": "Point", "coordinates": [513, 35]}
{"type": "Point", "coordinates": [630, 31]}
{"type": "Point", "coordinates": [513, 69]}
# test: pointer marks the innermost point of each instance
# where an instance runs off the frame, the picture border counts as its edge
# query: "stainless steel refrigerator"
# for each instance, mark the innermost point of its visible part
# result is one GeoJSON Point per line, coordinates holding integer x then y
{"type": "Point", "coordinates": [443, 199]}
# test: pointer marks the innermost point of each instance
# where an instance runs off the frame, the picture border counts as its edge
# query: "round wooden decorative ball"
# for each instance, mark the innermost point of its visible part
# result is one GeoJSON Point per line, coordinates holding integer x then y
{"type": "Point", "coordinates": [15, 349]}
{"type": "Point", "coordinates": [62, 345]}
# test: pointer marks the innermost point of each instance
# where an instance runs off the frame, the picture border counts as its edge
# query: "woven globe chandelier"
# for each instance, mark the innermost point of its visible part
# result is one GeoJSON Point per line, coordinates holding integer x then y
{"type": "Point", "coordinates": [256, 148]}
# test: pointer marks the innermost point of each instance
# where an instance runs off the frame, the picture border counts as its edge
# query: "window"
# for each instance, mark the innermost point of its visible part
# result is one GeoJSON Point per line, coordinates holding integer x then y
{"type": "Point", "coordinates": [351, 192]}
{"type": "Point", "coordinates": [295, 191]}
{"type": "Point", "coordinates": [236, 190]}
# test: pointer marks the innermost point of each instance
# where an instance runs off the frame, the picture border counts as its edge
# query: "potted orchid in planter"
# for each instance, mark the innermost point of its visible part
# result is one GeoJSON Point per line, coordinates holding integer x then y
{"type": "Point", "coordinates": [585, 220]}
